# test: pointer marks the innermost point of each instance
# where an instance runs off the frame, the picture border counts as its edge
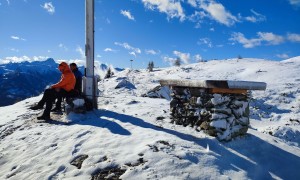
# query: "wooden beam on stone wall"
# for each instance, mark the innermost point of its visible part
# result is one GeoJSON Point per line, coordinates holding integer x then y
{"type": "Point", "coordinates": [228, 91]}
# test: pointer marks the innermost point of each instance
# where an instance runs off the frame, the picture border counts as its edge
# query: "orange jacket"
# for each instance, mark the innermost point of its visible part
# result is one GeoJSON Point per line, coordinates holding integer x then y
{"type": "Point", "coordinates": [68, 80]}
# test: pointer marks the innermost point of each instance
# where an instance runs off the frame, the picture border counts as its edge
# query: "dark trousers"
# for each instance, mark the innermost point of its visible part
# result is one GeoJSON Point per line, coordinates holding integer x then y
{"type": "Point", "coordinates": [58, 101]}
{"type": "Point", "coordinates": [48, 98]}
{"type": "Point", "coordinates": [60, 96]}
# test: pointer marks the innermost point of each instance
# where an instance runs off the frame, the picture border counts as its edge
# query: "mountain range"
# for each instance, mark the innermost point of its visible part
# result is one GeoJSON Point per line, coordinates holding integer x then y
{"type": "Point", "coordinates": [21, 80]}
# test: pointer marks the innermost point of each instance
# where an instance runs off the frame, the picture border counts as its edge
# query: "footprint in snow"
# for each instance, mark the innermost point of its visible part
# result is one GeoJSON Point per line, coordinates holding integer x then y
{"type": "Point", "coordinates": [83, 134]}
{"type": "Point", "coordinates": [76, 148]}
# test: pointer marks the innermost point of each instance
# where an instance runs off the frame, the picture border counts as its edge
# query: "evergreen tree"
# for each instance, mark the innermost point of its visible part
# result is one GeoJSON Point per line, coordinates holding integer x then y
{"type": "Point", "coordinates": [109, 73]}
{"type": "Point", "coordinates": [177, 62]}
{"type": "Point", "coordinates": [150, 66]}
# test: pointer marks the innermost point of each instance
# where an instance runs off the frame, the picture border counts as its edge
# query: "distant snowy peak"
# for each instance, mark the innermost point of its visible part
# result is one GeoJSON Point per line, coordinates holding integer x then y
{"type": "Point", "coordinates": [293, 59]}
{"type": "Point", "coordinates": [41, 66]}
{"type": "Point", "coordinates": [104, 67]}
{"type": "Point", "coordinates": [49, 61]}
{"type": "Point", "coordinates": [36, 66]}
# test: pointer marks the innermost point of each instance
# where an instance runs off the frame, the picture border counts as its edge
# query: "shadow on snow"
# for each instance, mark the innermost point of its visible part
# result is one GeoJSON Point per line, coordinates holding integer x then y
{"type": "Point", "coordinates": [251, 154]}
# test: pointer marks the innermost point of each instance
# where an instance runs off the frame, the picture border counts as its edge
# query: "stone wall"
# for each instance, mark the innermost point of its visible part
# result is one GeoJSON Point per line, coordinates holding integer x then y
{"type": "Point", "coordinates": [224, 116]}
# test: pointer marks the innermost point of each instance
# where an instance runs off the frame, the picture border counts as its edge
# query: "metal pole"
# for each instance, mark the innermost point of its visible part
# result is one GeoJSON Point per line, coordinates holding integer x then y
{"type": "Point", "coordinates": [90, 83]}
{"type": "Point", "coordinates": [131, 63]}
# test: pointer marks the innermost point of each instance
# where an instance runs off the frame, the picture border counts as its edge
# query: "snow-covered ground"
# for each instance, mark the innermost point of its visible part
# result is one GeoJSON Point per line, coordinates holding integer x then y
{"type": "Point", "coordinates": [133, 133]}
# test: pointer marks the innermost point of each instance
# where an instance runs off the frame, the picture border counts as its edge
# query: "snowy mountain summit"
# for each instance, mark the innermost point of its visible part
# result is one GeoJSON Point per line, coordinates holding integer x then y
{"type": "Point", "coordinates": [18, 81]}
{"type": "Point", "coordinates": [131, 137]}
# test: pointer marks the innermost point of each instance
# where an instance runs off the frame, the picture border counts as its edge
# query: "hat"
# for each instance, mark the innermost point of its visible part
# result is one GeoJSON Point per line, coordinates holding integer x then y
{"type": "Point", "coordinates": [63, 66]}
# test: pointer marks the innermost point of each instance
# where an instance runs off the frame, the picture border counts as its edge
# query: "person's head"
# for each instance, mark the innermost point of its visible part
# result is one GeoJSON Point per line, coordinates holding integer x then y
{"type": "Point", "coordinates": [73, 66]}
{"type": "Point", "coordinates": [63, 67]}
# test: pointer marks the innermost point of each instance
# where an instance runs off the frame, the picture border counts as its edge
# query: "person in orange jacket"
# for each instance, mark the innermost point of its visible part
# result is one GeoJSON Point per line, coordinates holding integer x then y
{"type": "Point", "coordinates": [77, 89]}
{"type": "Point", "coordinates": [65, 85]}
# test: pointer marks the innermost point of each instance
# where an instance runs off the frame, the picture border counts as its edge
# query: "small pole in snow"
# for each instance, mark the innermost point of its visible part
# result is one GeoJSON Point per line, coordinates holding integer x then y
{"type": "Point", "coordinates": [131, 63]}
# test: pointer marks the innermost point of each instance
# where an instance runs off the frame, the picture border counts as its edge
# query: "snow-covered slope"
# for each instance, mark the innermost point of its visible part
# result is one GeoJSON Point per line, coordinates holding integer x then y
{"type": "Point", "coordinates": [132, 134]}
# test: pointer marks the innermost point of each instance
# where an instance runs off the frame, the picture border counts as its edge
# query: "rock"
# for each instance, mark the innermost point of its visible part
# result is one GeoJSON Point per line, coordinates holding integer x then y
{"type": "Point", "coordinates": [79, 160]}
{"type": "Point", "coordinates": [219, 124]}
{"type": "Point", "coordinates": [159, 92]}
{"type": "Point", "coordinates": [108, 173]}
{"type": "Point", "coordinates": [160, 118]}
{"type": "Point", "coordinates": [124, 83]}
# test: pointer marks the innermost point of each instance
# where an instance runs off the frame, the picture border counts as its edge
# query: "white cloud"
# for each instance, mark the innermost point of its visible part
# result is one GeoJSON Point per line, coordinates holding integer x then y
{"type": "Point", "coordinates": [62, 46]}
{"type": "Point", "coordinates": [15, 59]}
{"type": "Point", "coordinates": [109, 50]}
{"type": "Point", "coordinates": [212, 29]}
{"type": "Point", "coordinates": [247, 43]}
{"type": "Point", "coordinates": [81, 52]}
{"type": "Point", "coordinates": [295, 3]}
{"type": "Point", "coordinates": [198, 58]}
{"type": "Point", "coordinates": [172, 8]}
{"type": "Point", "coordinates": [269, 38]}
{"type": "Point", "coordinates": [202, 9]}
{"type": "Point", "coordinates": [282, 56]}
{"type": "Point", "coordinates": [39, 58]}
{"type": "Point", "coordinates": [293, 37]}
{"type": "Point", "coordinates": [151, 51]}
{"type": "Point", "coordinates": [49, 7]}
{"type": "Point", "coordinates": [256, 18]}
{"type": "Point", "coordinates": [127, 14]}
{"type": "Point", "coordinates": [13, 49]}
{"type": "Point", "coordinates": [184, 57]}
{"type": "Point", "coordinates": [79, 62]}
{"type": "Point", "coordinates": [250, 18]}
{"type": "Point", "coordinates": [198, 25]}
{"type": "Point", "coordinates": [193, 3]}
{"type": "Point", "coordinates": [198, 16]}
{"type": "Point", "coordinates": [170, 60]}
{"type": "Point", "coordinates": [8, 2]}
{"type": "Point", "coordinates": [218, 12]}
{"type": "Point", "coordinates": [205, 41]}
{"type": "Point", "coordinates": [127, 46]}
{"type": "Point", "coordinates": [17, 38]}
{"type": "Point", "coordinates": [132, 53]}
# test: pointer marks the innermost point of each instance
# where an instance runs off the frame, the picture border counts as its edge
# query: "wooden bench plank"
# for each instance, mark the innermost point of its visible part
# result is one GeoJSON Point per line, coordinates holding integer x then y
{"type": "Point", "coordinates": [228, 91]}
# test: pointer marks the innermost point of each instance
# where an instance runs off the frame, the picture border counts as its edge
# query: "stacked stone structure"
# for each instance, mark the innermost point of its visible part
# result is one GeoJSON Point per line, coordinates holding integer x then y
{"type": "Point", "coordinates": [208, 106]}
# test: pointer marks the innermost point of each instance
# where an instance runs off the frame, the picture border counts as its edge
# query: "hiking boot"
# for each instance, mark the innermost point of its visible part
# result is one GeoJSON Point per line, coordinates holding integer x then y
{"type": "Point", "coordinates": [36, 107]}
{"type": "Point", "coordinates": [56, 109]}
{"type": "Point", "coordinates": [43, 117]}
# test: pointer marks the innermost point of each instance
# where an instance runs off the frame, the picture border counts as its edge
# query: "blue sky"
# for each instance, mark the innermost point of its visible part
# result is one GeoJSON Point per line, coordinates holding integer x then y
{"type": "Point", "coordinates": [150, 30]}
